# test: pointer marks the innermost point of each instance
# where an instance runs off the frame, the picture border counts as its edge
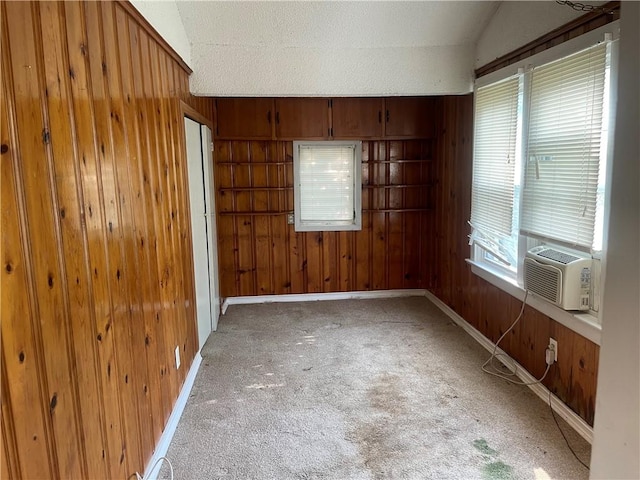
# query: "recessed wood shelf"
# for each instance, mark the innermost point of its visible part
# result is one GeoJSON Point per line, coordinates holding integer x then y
{"type": "Point", "coordinates": [253, 189]}
{"type": "Point", "coordinates": [422, 185]}
{"type": "Point", "coordinates": [257, 164]}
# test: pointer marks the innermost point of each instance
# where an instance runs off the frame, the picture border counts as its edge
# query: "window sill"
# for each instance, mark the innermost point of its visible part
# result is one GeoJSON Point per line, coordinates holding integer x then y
{"type": "Point", "coordinates": [583, 324]}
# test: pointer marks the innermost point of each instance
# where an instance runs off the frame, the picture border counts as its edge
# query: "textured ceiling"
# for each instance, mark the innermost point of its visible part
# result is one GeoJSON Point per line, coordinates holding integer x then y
{"type": "Point", "coordinates": [334, 24]}
{"type": "Point", "coordinates": [327, 48]}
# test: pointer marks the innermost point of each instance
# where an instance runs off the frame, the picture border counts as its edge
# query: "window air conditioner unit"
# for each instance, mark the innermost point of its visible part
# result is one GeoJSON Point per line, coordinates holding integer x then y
{"type": "Point", "coordinates": [561, 278]}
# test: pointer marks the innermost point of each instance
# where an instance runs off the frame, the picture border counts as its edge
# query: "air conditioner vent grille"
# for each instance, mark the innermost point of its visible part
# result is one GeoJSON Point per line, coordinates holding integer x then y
{"type": "Point", "coordinates": [557, 256]}
{"type": "Point", "coordinates": [544, 281]}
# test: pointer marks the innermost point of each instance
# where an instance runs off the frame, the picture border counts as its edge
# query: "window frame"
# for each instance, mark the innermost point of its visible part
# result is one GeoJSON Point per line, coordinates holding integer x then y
{"type": "Point", "coordinates": [586, 324]}
{"type": "Point", "coordinates": [328, 225]}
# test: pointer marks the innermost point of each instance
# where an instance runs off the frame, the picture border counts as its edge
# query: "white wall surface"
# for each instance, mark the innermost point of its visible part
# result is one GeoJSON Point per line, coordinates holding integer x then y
{"type": "Point", "coordinates": [225, 70]}
{"type": "Point", "coordinates": [163, 15]}
{"type": "Point", "coordinates": [333, 48]}
{"type": "Point", "coordinates": [616, 446]}
{"type": "Point", "coordinates": [517, 23]}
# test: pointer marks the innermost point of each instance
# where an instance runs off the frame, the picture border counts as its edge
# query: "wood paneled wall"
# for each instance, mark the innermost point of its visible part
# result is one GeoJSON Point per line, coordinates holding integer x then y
{"type": "Point", "coordinates": [260, 253]}
{"type": "Point", "coordinates": [97, 282]}
{"type": "Point", "coordinates": [487, 308]}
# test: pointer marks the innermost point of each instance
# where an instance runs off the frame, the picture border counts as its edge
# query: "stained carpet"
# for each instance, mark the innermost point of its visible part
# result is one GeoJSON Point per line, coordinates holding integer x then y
{"type": "Point", "coordinates": [360, 389]}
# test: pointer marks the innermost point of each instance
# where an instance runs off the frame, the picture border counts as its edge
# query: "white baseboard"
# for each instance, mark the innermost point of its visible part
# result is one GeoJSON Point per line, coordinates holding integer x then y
{"type": "Point", "coordinates": [152, 469]}
{"type": "Point", "coordinates": [572, 418]}
{"type": "Point", "coordinates": [312, 297]}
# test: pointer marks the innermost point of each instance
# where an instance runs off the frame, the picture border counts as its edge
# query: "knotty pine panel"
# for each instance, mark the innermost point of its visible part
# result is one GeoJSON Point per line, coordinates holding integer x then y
{"type": "Point", "coordinates": [490, 310]}
{"type": "Point", "coordinates": [260, 254]}
{"type": "Point", "coordinates": [97, 273]}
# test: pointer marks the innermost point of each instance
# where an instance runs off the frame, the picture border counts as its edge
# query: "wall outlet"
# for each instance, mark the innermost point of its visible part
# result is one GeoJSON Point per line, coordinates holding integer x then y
{"type": "Point", "coordinates": [290, 219]}
{"type": "Point", "coordinates": [177, 357]}
{"type": "Point", "coordinates": [553, 343]}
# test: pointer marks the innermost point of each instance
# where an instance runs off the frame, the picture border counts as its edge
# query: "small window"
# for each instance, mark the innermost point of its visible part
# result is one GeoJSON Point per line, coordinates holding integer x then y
{"type": "Point", "coordinates": [327, 185]}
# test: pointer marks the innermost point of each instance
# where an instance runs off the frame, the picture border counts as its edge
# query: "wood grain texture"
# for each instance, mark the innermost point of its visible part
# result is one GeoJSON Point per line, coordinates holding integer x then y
{"type": "Point", "coordinates": [573, 378]}
{"type": "Point", "coordinates": [260, 254]}
{"type": "Point", "coordinates": [97, 280]}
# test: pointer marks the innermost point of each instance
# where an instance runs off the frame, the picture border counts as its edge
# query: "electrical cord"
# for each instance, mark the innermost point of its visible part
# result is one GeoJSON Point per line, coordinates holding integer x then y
{"type": "Point", "coordinates": [512, 369]}
{"type": "Point", "coordinates": [564, 436]}
{"type": "Point", "coordinates": [159, 460]}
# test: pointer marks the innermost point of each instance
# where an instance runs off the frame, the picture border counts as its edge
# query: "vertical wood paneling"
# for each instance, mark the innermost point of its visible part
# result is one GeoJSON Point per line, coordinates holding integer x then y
{"type": "Point", "coordinates": [260, 254]}
{"type": "Point", "coordinates": [143, 229]}
{"type": "Point", "coordinates": [487, 308]}
{"type": "Point", "coordinates": [97, 274]}
{"type": "Point", "coordinates": [44, 234]}
{"type": "Point", "coordinates": [23, 404]}
{"type": "Point", "coordinates": [121, 316]}
{"type": "Point", "coordinates": [119, 147]}
{"type": "Point", "coordinates": [73, 236]}
{"type": "Point", "coordinates": [90, 185]}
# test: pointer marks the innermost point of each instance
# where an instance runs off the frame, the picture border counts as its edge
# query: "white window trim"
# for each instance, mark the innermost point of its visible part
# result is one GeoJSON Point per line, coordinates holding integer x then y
{"type": "Point", "coordinates": [583, 324]}
{"type": "Point", "coordinates": [330, 226]}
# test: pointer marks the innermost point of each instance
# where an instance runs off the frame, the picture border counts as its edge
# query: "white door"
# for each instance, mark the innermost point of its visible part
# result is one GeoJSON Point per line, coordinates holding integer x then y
{"type": "Point", "coordinates": [212, 232]}
{"type": "Point", "coordinates": [203, 230]}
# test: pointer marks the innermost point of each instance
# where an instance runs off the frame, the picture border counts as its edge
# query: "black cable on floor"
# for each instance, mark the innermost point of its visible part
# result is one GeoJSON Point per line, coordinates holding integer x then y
{"type": "Point", "coordinates": [563, 435]}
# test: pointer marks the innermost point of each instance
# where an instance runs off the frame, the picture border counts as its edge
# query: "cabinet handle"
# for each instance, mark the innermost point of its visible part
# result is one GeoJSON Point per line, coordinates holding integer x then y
{"type": "Point", "coordinates": [387, 116]}
{"type": "Point", "coordinates": [269, 116]}
{"type": "Point", "coordinates": [278, 117]}
{"type": "Point", "coordinates": [379, 116]}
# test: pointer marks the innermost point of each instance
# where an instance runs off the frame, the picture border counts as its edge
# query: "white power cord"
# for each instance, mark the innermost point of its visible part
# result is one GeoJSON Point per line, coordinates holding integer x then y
{"type": "Point", "coordinates": [161, 459]}
{"type": "Point", "coordinates": [512, 369]}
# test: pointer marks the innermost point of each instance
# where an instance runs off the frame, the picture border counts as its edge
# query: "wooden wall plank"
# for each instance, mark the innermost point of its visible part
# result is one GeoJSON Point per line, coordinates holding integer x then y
{"type": "Point", "coordinates": [182, 213]}
{"type": "Point", "coordinates": [73, 235]}
{"type": "Point", "coordinates": [44, 229]}
{"type": "Point", "coordinates": [92, 217]}
{"type": "Point", "coordinates": [143, 231]}
{"type": "Point", "coordinates": [117, 270]}
{"type": "Point", "coordinates": [151, 153]}
{"type": "Point", "coordinates": [8, 460]}
{"type": "Point", "coordinates": [21, 357]}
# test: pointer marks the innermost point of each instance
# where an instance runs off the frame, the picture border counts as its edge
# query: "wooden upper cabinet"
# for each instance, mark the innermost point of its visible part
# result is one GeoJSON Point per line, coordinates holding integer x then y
{"type": "Point", "coordinates": [357, 117]}
{"type": "Point", "coordinates": [245, 118]}
{"type": "Point", "coordinates": [302, 118]}
{"type": "Point", "coordinates": [410, 117]}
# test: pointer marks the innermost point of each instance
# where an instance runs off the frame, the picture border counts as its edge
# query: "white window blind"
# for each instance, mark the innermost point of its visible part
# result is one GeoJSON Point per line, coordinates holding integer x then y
{"type": "Point", "coordinates": [563, 152]}
{"type": "Point", "coordinates": [327, 185]}
{"type": "Point", "coordinates": [494, 161]}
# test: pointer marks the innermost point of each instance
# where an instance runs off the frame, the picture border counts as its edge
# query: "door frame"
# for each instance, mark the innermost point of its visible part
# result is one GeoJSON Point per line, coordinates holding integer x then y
{"type": "Point", "coordinates": [189, 112]}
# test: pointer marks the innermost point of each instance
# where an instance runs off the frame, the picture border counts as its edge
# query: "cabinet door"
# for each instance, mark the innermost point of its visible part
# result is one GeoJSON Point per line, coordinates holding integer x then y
{"type": "Point", "coordinates": [302, 118]}
{"type": "Point", "coordinates": [357, 117]}
{"type": "Point", "coordinates": [250, 118]}
{"type": "Point", "coordinates": [410, 117]}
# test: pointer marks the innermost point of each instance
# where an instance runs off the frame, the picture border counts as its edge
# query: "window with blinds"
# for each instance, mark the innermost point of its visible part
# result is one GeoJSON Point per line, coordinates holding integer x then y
{"type": "Point", "coordinates": [327, 185]}
{"type": "Point", "coordinates": [564, 149]}
{"type": "Point", "coordinates": [540, 148]}
{"type": "Point", "coordinates": [494, 161]}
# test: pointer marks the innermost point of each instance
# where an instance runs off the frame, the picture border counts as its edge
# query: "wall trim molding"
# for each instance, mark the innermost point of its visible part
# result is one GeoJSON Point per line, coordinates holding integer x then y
{"type": "Point", "coordinates": [167, 435]}
{"type": "Point", "coordinates": [312, 297]}
{"type": "Point", "coordinates": [572, 418]}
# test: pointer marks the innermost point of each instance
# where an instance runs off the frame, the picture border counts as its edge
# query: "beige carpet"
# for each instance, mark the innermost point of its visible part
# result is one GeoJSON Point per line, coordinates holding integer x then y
{"type": "Point", "coordinates": [360, 389]}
